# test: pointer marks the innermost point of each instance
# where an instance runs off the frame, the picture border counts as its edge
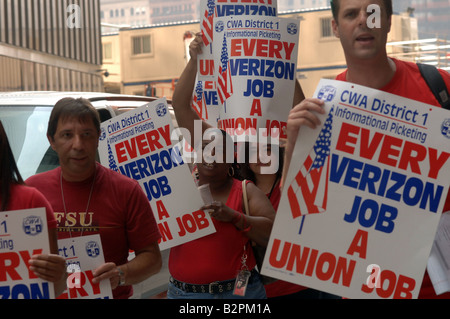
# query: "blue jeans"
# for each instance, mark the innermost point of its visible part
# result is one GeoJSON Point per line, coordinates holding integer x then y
{"type": "Point", "coordinates": [255, 290]}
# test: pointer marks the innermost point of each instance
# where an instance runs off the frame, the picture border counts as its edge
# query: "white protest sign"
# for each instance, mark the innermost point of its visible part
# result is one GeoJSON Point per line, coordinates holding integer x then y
{"type": "Point", "coordinates": [23, 233]}
{"type": "Point", "coordinates": [83, 255]}
{"type": "Point", "coordinates": [211, 9]}
{"type": "Point", "coordinates": [206, 100]}
{"type": "Point", "coordinates": [363, 196]}
{"type": "Point", "coordinates": [138, 144]}
{"type": "Point", "coordinates": [256, 72]}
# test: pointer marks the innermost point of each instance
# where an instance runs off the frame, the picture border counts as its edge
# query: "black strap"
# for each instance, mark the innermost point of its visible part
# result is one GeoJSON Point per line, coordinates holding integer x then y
{"type": "Point", "coordinates": [436, 84]}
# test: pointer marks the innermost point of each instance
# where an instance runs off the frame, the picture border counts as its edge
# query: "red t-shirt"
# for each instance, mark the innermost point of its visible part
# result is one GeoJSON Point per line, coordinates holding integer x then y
{"type": "Point", "coordinates": [25, 197]}
{"type": "Point", "coordinates": [119, 211]}
{"type": "Point", "coordinates": [409, 83]}
{"type": "Point", "coordinates": [216, 257]}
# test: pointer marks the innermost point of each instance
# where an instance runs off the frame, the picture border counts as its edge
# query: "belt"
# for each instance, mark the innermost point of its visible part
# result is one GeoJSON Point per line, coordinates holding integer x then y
{"type": "Point", "coordinates": [212, 288]}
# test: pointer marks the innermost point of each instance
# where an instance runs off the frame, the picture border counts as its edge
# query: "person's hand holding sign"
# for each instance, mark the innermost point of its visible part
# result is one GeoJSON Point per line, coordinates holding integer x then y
{"type": "Point", "coordinates": [304, 113]}
{"type": "Point", "coordinates": [50, 267]}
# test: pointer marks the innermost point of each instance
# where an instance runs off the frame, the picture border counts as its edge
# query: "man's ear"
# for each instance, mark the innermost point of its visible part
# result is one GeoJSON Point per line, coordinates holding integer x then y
{"type": "Point", "coordinates": [51, 141]}
{"type": "Point", "coordinates": [335, 27]}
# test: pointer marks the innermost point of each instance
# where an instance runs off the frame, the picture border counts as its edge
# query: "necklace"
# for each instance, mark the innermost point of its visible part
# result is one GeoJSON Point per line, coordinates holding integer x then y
{"type": "Point", "coordinates": [88, 202]}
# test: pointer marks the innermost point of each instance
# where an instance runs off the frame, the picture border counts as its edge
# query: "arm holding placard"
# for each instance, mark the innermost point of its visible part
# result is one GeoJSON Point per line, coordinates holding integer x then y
{"type": "Point", "coordinates": [258, 225]}
{"type": "Point", "coordinates": [146, 263]}
{"type": "Point", "coordinates": [302, 114]}
{"type": "Point", "coordinates": [142, 238]}
{"type": "Point", "coordinates": [182, 96]}
{"type": "Point", "coordinates": [51, 267]}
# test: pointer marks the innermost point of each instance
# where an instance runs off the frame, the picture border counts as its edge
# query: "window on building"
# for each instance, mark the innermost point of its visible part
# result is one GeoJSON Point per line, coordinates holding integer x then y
{"type": "Point", "coordinates": [107, 51]}
{"type": "Point", "coordinates": [325, 27]}
{"type": "Point", "coordinates": [141, 45]}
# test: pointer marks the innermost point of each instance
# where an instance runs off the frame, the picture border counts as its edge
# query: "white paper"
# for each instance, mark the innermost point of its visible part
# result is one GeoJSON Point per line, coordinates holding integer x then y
{"type": "Point", "coordinates": [205, 193]}
{"type": "Point", "coordinates": [439, 261]}
{"type": "Point", "coordinates": [83, 255]}
{"type": "Point", "coordinates": [23, 233]}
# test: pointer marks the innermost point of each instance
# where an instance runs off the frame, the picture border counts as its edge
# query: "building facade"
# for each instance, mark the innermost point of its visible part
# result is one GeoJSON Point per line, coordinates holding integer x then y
{"type": "Point", "coordinates": [142, 57]}
{"type": "Point", "coordinates": [433, 16]}
{"type": "Point", "coordinates": [50, 45]}
{"type": "Point", "coordinates": [151, 56]}
{"type": "Point", "coordinates": [134, 13]}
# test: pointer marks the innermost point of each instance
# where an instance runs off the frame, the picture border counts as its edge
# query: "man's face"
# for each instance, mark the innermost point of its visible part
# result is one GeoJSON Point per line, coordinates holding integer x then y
{"type": "Point", "coordinates": [359, 41]}
{"type": "Point", "coordinates": [76, 143]}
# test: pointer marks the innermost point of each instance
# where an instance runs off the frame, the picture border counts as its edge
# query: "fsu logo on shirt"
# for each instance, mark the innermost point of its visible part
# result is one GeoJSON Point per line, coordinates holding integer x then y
{"type": "Point", "coordinates": [76, 222]}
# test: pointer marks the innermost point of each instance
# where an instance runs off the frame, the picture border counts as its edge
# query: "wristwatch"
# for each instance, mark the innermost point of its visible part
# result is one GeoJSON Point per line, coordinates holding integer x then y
{"type": "Point", "coordinates": [121, 277]}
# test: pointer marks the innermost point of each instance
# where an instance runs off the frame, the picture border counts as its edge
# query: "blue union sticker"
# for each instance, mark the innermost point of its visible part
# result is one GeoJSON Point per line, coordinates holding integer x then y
{"type": "Point", "coordinates": [292, 28]}
{"type": "Point", "coordinates": [92, 249]}
{"type": "Point", "coordinates": [161, 109]}
{"type": "Point", "coordinates": [445, 128]}
{"type": "Point", "coordinates": [327, 93]}
{"type": "Point", "coordinates": [220, 26]}
{"type": "Point", "coordinates": [32, 225]}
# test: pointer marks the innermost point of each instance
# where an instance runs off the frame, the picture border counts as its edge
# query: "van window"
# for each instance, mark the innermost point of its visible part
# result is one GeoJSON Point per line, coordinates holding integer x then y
{"type": "Point", "coordinates": [26, 127]}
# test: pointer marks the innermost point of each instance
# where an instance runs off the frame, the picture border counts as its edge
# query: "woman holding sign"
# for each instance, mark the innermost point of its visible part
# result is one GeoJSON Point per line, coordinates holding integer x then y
{"type": "Point", "coordinates": [221, 265]}
{"type": "Point", "coordinates": [15, 195]}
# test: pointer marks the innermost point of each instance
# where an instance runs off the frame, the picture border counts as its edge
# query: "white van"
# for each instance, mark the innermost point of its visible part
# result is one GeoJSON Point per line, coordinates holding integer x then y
{"type": "Point", "coordinates": [25, 118]}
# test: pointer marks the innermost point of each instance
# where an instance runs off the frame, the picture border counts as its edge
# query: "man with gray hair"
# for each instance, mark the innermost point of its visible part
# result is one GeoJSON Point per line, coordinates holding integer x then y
{"type": "Point", "coordinates": [88, 198]}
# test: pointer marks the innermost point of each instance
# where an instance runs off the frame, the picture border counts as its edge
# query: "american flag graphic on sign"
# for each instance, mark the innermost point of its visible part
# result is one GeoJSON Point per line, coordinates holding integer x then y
{"type": "Point", "coordinates": [207, 23]}
{"type": "Point", "coordinates": [198, 102]}
{"type": "Point", "coordinates": [224, 83]}
{"type": "Point", "coordinates": [309, 191]}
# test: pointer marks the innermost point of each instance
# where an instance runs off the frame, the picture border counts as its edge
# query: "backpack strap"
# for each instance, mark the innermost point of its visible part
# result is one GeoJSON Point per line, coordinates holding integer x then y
{"type": "Point", "coordinates": [436, 84]}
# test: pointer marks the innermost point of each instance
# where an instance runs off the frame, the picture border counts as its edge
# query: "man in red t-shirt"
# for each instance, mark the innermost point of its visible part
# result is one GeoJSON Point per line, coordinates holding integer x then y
{"type": "Point", "coordinates": [88, 198]}
{"type": "Point", "coordinates": [369, 65]}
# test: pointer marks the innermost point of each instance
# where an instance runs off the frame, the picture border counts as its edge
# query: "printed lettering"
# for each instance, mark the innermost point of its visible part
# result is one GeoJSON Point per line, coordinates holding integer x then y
{"type": "Point", "coordinates": [391, 151]}
{"type": "Point", "coordinates": [143, 144]}
{"type": "Point", "coordinates": [311, 262]}
{"type": "Point", "coordinates": [391, 286]}
{"type": "Point", "coordinates": [190, 223]}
